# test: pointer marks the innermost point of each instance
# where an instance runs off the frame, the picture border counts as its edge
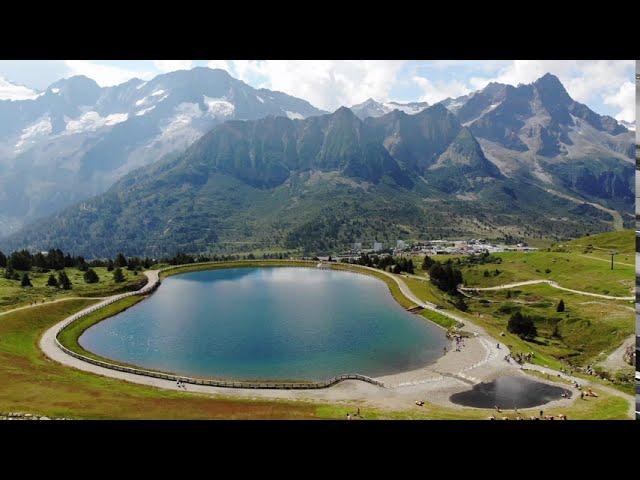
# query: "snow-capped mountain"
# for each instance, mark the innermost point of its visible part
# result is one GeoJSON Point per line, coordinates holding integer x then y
{"type": "Point", "coordinates": [372, 108]}
{"type": "Point", "coordinates": [75, 139]}
{"type": "Point", "coordinates": [631, 126]}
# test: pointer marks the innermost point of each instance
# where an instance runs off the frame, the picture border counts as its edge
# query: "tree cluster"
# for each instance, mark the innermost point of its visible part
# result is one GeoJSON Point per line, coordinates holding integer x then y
{"type": "Point", "coordinates": [445, 276]}
{"type": "Point", "coordinates": [522, 325]}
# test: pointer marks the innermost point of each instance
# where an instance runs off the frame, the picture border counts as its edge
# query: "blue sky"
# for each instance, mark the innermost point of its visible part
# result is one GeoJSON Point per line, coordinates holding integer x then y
{"type": "Point", "coordinates": [608, 87]}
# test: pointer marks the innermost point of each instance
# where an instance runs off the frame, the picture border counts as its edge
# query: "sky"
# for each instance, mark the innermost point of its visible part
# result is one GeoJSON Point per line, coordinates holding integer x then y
{"type": "Point", "coordinates": [607, 86]}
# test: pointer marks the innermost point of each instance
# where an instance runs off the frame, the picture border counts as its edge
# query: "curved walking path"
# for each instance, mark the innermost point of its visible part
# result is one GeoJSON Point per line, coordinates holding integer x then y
{"type": "Point", "coordinates": [615, 360]}
{"type": "Point", "coordinates": [481, 359]}
{"type": "Point", "coordinates": [58, 300]}
{"type": "Point", "coordinates": [608, 261]}
{"type": "Point", "coordinates": [548, 282]}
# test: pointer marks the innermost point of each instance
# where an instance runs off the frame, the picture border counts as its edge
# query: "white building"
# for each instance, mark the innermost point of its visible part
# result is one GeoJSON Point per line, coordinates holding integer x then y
{"type": "Point", "coordinates": [400, 244]}
{"type": "Point", "coordinates": [377, 246]}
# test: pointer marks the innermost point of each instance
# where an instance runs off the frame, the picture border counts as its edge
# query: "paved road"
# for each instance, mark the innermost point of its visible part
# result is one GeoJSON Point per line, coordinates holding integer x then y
{"type": "Point", "coordinates": [548, 282]}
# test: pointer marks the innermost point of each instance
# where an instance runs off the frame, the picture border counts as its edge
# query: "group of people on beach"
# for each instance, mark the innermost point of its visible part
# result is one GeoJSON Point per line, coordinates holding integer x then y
{"type": "Point", "coordinates": [458, 340]}
{"type": "Point", "coordinates": [181, 384]}
{"type": "Point", "coordinates": [519, 358]}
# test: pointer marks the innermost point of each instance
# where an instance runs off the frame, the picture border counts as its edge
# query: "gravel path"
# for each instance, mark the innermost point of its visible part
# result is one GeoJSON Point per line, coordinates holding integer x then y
{"type": "Point", "coordinates": [65, 299]}
{"type": "Point", "coordinates": [615, 360]}
{"type": "Point", "coordinates": [548, 282]}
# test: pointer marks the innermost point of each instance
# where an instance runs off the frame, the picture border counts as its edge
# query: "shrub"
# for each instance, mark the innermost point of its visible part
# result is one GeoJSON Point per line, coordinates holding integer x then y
{"type": "Point", "coordinates": [90, 276]}
{"type": "Point", "coordinates": [522, 326]}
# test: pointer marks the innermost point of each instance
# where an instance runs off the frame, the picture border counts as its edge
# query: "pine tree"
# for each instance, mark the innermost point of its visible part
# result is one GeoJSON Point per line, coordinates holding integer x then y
{"type": "Point", "coordinates": [427, 262]}
{"type": "Point", "coordinates": [26, 281]}
{"type": "Point", "coordinates": [110, 266]}
{"type": "Point", "coordinates": [3, 260]}
{"type": "Point", "coordinates": [560, 307]}
{"type": "Point", "coordinates": [52, 282]}
{"type": "Point", "coordinates": [9, 272]}
{"type": "Point", "coordinates": [90, 276]}
{"type": "Point", "coordinates": [118, 276]}
{"type": "Point", "coordinates": [63, 280]}
{"type": "Point", "coordinates": [121, 260]}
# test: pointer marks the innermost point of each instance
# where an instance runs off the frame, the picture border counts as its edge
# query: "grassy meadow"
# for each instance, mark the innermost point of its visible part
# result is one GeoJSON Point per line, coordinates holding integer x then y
{"type": "Point", "coordinates": [12, 295]}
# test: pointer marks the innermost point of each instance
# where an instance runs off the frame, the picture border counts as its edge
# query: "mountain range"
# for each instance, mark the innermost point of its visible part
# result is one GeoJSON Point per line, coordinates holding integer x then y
{"type": "Point", "coordinates": [75, 139]}
{"type": "Point", "coordinates": [504, 162]}
{"type": "Point", "coordinates": [372, 108]}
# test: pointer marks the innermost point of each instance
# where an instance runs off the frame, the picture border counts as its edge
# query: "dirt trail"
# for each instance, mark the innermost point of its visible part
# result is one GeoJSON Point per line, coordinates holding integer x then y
{"type": "Point", "coordinates": [618, 223]}
{"type": "Point", "coordinates": [548, 282]}
{"type": "Point", "coordinates": [615, 360]}
{"type": "Point", "coordinates": [58, 300]}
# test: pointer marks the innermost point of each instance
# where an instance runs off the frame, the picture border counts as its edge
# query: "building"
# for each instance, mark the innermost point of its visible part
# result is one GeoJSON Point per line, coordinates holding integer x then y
{"type": "Point", "coordinates": [401, 245]}
{"type": "Point", "coordinates": [357, 246]}
{"type": "Point", "coordinates": [377, 246]}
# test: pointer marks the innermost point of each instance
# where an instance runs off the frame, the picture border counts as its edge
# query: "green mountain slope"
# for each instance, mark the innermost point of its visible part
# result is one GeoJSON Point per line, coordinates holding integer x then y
{"type": "Point", "coordinates": [316, 185]}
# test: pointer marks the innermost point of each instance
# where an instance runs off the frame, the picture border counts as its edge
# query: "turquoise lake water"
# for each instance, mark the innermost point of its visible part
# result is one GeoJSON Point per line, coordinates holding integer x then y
{"type": "Point", "coordinates": [280, 323]}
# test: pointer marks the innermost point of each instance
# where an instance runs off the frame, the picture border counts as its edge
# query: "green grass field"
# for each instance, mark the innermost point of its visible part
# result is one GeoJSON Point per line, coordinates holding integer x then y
{"type": "Point", "coordinates": [12, 295]}
{"type": "Point", "coordinates": [623, 241]}
{"type": "Point", "coordinates": [587, 331]}
{"type": "Point", "coordinates": [572, 264]}
{"type": "Point", "coordinates": [590, 328]}
{"type": "Point", "coordinates": [31, 383]}
{"type": "Point", "coordinates": [570, 270]}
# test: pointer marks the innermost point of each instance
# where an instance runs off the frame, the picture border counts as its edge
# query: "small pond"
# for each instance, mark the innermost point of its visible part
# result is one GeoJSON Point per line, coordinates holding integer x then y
{"type": "Point", "coordinates": [509, 392]}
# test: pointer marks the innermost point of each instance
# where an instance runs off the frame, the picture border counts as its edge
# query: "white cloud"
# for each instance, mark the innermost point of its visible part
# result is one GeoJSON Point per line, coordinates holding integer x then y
{"type": "Point", "coordinates": [434, 92]}
{"type": "Point", "coordinates": [104, 75]}
{"type": "Point", "coordinates": [10, 91]}
{"type": "Point", "coordinates": [587, 81]}
{"type": "Point", "coordinates": [327, 84]}
{"type": "Point", "coordinates": [221, 64]}
{"type": "Point", "coordinates": [624, 99]}
{"type": "Point", "coordinates": [166, 66]}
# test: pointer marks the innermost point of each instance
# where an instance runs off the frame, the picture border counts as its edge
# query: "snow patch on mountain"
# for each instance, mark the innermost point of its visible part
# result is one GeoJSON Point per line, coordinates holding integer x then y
{"type": "Point", "coordinates": [294, 115]}
{"type": "Point", "coordinates": [409, 108]}
{"type": "Point", "coordinates": [185, 113]}
{"type": "Point", "coordinates": [35, 131]}
{"type": "Point", "coordinates": [91, 121]}
{"type": "Point", "coordinates": [219, 107]}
